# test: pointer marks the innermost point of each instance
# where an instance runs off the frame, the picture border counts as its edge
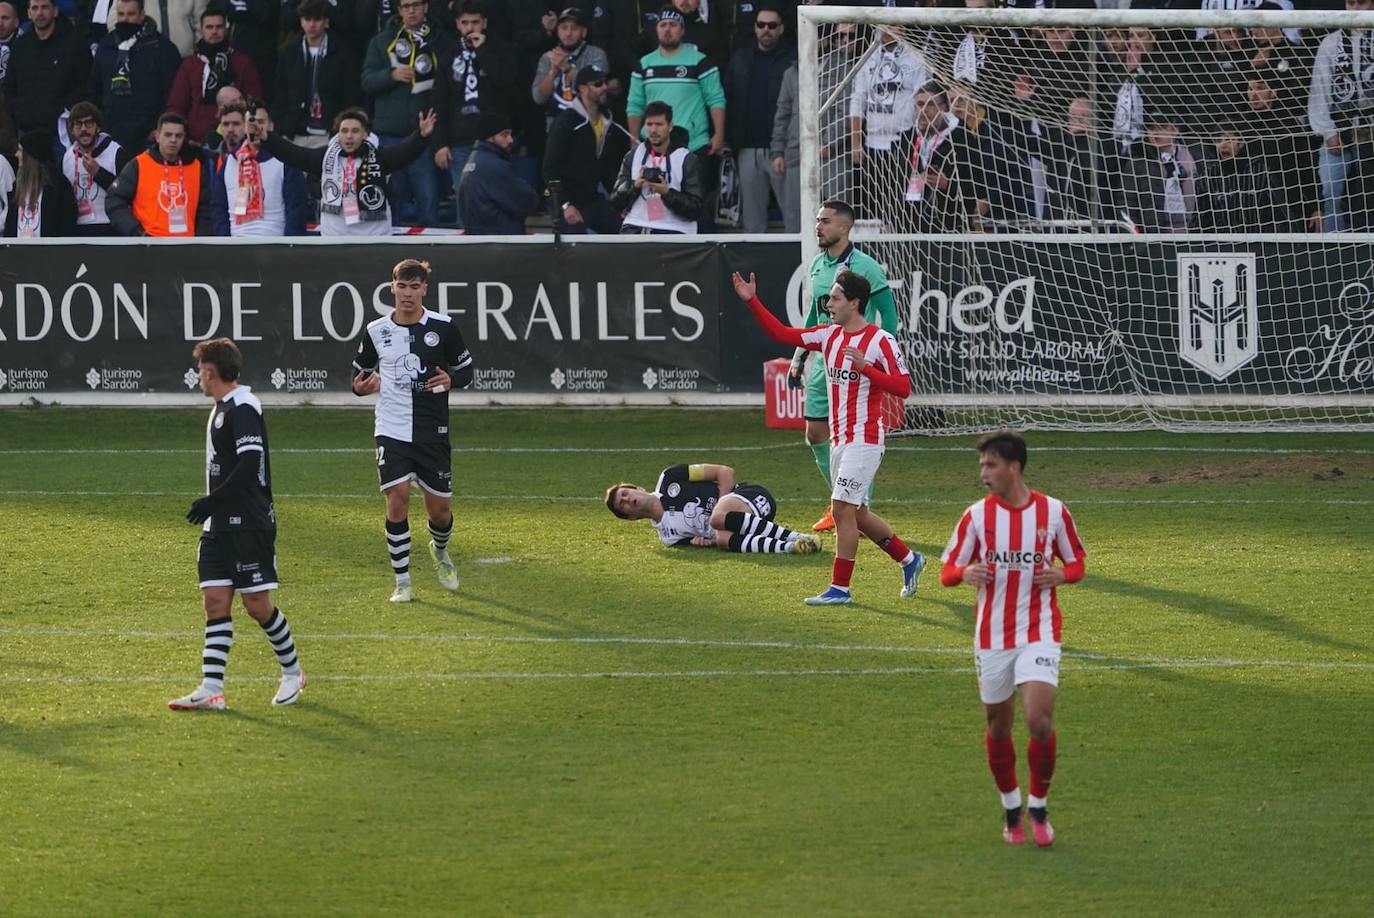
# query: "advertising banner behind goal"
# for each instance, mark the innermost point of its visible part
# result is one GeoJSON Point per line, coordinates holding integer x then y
{"type": "Point", "coordinates": [1003, 330]}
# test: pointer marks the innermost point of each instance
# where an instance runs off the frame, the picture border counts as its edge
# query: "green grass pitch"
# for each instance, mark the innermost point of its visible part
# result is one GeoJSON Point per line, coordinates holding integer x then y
{"type": "Point", "coordinates": [595, 725]}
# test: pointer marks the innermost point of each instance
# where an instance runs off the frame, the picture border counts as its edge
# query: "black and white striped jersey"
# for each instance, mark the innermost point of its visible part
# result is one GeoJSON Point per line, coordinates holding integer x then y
{"type": "Point", "coordinates": [236, 433]}
{"type": "Point", "coordinates": [687, 505]}
{"type": "Point", "coordinates": [404, 357]}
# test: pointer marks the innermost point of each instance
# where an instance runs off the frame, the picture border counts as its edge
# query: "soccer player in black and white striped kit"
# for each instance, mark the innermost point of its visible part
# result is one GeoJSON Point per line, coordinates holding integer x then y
{"type": "Point", "coordinates": [237, 552]}
{"type": "Point", "coordinates": [704, 506]}
{"type": "Point", "coordinates": [411, 359]}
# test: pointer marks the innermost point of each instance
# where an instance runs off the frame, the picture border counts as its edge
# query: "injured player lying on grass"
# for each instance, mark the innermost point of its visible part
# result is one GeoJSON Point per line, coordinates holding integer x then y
{"type": "Point", "coordinates": [703, 505]}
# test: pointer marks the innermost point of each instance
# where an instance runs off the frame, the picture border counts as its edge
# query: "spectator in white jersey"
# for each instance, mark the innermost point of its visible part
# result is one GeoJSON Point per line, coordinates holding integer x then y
{"type": "Point", "coordinates": [252, 192]}
{"type": "Point", "coordinates": [411, 359]}
{"type": "Point", "coordinates": [238, 520]}
{"type": "Point", "coordinates": [1017, 641]}
{"type": "Point", "coordinates": [882, 107]}
{"type": "Point", "coordinates": [90, 167]}
{"type": "Point", "coordinates": [703, 506]}
{"type": "Point", "coordinates": [353, 168]}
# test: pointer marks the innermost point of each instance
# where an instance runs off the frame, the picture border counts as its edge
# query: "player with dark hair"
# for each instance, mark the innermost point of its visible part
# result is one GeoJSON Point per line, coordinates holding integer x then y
{"type": "Point", "coordinates": [412, 358]}
{"type": "Point", "coordinates": [703, 505]}
{"type": "Point", "coordinates": [834, 222]}
{"type": "Point", "coordinates": [862, 364]}
{"type": "Point", "coordinates": [1005, 545]}
{"type": "Point", "coordinates": [237, 552]}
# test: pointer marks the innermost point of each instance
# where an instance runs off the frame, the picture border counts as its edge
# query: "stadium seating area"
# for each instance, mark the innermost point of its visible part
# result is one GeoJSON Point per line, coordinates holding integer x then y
{"type": "Point", "coordinates": [1222, 131]}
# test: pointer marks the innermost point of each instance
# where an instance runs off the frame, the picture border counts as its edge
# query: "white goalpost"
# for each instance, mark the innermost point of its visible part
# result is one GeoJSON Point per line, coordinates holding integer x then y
{"type": "Point", "coordinates": [1097, 219]}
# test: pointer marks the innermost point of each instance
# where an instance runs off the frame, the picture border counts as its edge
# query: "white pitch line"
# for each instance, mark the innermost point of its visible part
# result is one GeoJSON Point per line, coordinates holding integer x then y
{"type": "Point", "coordinates": [674, 674]}
{"type": "Point", "coordinates": [588, 499]}
{"type": "Point", "coordinates": [511, 675]}
{"type": "Point", "coordinates": [897, 447]}
{"type": "Point", "coordinates": [1092, 660]}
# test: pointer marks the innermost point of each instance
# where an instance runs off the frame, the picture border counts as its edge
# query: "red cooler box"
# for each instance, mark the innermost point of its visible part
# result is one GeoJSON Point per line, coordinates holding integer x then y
{"type": "Point", "coordinates": [783, 407]}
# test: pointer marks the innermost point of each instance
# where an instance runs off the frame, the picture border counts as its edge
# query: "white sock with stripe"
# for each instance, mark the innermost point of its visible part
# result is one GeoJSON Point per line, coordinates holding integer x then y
{"type": "Point", "coordinates": [398, 546]}
{"type": "Point", "coordinates": [278, 632]}
{"type": "Point", "coordinates": [219, 637]}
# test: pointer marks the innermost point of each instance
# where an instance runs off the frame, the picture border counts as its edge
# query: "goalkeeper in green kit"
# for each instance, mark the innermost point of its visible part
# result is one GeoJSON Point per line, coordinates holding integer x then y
{"type": "Point", "coordinates": [834, 221]}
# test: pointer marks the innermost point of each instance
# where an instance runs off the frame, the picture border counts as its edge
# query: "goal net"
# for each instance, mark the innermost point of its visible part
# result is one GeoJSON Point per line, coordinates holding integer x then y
{"type": "Point", "coordinates": [1108, 218]}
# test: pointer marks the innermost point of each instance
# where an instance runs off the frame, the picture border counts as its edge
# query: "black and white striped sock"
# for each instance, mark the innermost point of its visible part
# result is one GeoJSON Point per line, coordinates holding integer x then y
{"type": "Point", "coordinates": [398, 544]}
{"type": "Point", "coordinates": [441, 536]}
{"type": "Point", "coordinates": [762, 545]}
{"type": "Point", "coordinates": [748, 524]}
{"type": "Point", "coordinates": [219, 637]}
{"type": "Point", "coordinates": [278, 632]}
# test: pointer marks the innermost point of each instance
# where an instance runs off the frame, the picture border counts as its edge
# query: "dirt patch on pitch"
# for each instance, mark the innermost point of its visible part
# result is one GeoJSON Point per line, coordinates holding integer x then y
{"type": "Point", "coordinates": [1293, 468]}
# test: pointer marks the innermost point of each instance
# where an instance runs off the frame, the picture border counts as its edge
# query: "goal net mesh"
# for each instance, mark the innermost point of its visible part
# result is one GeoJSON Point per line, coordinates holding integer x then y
{"type": "Point", "coordinates": [1120, 226]}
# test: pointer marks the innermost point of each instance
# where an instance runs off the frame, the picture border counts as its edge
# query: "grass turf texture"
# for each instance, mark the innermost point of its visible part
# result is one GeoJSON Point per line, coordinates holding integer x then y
{"type": "Point", "coordinates": [454, 755]}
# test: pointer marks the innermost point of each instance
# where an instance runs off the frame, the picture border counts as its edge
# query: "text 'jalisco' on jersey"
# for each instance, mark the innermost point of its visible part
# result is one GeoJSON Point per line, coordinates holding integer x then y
{"type": "Point", "coordinates": [404, 357]}
{"type": "Point", "coordinates": [1012, 611]}
{"type": "Point", "coordinates": [237, 433]}
{"type": "Point", "coordinates": [856, 405]}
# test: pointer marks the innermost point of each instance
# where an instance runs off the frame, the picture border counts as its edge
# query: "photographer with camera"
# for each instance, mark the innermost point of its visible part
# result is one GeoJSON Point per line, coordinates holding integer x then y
{"type": "Point", "coordinates": [660, 184]}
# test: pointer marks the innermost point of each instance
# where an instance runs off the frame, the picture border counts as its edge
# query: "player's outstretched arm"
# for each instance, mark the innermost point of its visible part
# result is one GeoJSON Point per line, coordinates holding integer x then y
{"type": "Point", "coordinates": [747, 291]}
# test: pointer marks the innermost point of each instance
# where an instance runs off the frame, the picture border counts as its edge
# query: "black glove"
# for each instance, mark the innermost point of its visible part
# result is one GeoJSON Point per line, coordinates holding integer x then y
{"type": "Point", "coordinates": [794, 375]}
{"type": "Point", "coordinates": [201, 510]}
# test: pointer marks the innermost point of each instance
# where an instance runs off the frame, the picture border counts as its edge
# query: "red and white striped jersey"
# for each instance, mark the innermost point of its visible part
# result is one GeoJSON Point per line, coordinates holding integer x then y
{"type": "Point", "coordinates": [1016, 541]}
{"type": "Point", "coordinates": [856, 405]}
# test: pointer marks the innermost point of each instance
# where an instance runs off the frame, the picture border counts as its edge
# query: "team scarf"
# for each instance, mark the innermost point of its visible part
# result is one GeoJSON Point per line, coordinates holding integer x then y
{"type": "Point", "coordinates": [214, 73]}
{"type": "Point", "coordinates": [368, 181]}
{"type": "Point", "coordinates": [250, 177]}
{"type": "Point", "coordinates": [411, 48]}
{"type": "Point", "coordinates": [1350, 70]}
{"type": "Point", "coordinates": [122, 82]}
{"type": "Point", "coordinates": [467, 74]}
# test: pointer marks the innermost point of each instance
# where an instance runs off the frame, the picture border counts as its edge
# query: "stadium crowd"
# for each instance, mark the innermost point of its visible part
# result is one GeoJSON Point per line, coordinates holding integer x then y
{"type": "Point", "coordinates": [262, 117]}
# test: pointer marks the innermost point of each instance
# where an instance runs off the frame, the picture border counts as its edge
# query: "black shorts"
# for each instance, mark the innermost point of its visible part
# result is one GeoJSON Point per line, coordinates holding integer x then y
{"type": "Point", "coordinates": [245, 559]}
{"type": "Point", "coordinates": [764, 504]}
{"type": "Point", "coordinates": [429, 464]}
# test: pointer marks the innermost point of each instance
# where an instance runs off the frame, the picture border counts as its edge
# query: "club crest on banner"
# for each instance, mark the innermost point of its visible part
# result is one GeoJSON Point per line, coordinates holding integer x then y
{"type": "Point", "coordinates": [1218, 312]}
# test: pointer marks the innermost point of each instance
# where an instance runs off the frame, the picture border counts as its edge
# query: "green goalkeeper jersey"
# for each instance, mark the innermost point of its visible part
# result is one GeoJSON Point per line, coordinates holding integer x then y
{"type": "Point", "coordinates": [881, 310]}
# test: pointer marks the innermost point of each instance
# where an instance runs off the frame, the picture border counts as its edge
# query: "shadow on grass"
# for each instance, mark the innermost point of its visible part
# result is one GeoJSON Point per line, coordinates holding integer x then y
{"type": "Point", "coordinates": [1226, 610]}
{"type": "Point", "coordinates": [58, 743]}
{"type": "Point", "coordinates": [519, 617]}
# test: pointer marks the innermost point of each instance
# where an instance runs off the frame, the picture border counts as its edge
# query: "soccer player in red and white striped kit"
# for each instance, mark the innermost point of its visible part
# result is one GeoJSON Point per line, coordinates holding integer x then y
{"type": "Point", "coordinates": [1005, 545]}
{"type": "Point", "coordinates": [863, 363]}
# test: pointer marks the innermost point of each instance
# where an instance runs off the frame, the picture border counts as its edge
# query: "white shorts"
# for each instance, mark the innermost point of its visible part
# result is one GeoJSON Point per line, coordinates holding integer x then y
{"type": "Point", "coordinates": [1001, 671]}
{"type": "Point", "coordinates": [853, 466]}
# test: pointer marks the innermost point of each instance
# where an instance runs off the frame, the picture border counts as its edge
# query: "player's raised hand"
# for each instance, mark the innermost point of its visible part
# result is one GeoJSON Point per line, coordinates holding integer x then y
{"type": "Point", "coordinates": [439, 382]}
{"type": "Point", "coordinates": [366, 383]}
{"type": "Point", "coordinates": [856, 357]}
{"type": "Point", "coordinates": [977, 574]}
{"type": "Point", "coordinates": [746, 290]}
{"type": "Point", "coordinates": [1050, 576]}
